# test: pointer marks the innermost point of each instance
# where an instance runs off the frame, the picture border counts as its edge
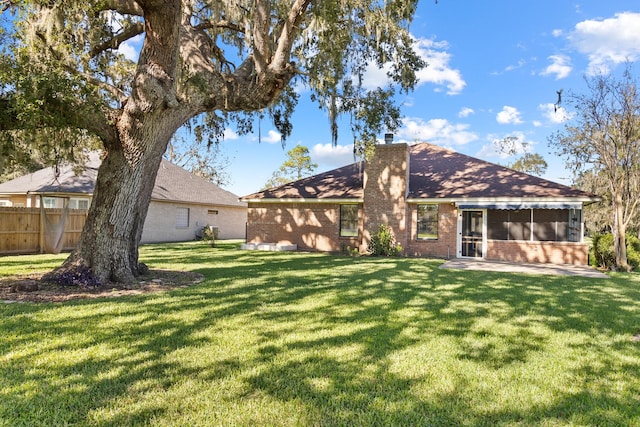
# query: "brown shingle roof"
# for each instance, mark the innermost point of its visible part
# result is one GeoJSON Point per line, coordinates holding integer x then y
{"type": "Point", "coordinates": [341, 183]}
{"type": "Point", "coordinates": [435, 172]}
{"type": "Point", "coordinates": [173, 183]}
{"type": "Point", "coordinates": [440, 173]}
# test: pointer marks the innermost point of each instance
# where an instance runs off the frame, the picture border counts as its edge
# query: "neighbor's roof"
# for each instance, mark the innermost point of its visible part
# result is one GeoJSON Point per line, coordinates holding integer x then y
{"type": "Point", "coordinates": [173, 183]}
{"type": "Point", "coordinates": [435, 173]}
{"type": "Point", "coordinates": [44, 181]}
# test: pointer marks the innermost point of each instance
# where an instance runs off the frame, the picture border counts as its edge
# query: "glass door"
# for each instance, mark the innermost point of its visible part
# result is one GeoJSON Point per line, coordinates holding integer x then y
{"type": "Point", "coordinates": [471, 234]}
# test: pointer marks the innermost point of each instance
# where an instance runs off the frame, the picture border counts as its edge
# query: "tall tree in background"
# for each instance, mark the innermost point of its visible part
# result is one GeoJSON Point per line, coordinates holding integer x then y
{"type": "Point", "coordinates": [298, 165]}
{"type": "Point", "coordinates": [210, 164]}
{"type": "Point", "coordinates": [201, 62]}
{"type": "Point", "coordinates": [531, 163]}
{"type": "Point", "coordinates": [605, 139]}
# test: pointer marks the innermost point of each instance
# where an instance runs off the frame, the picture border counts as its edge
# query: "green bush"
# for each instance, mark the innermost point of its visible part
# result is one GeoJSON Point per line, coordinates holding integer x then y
{"type": "Point", "coordinates": [210, 234]}
{"type": "Point", "coordinates": [383, 243]}
{"type": "Point", "coordinates": [633, 251]}
{"type": "Point", "coordinates": [602, 254]}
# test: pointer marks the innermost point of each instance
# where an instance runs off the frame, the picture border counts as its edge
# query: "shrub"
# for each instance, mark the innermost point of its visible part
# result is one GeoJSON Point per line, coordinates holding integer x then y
{"type": "Point", "coordinates": [383, 243]}
{"type": "Point", "coordinates": [210, 234]}
{"type": "Point", "coordinates": [602, 254]}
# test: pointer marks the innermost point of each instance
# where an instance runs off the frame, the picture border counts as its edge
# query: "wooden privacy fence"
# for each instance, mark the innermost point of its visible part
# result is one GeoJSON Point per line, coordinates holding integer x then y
{"type": "Point", "coordinates": [21, 229]}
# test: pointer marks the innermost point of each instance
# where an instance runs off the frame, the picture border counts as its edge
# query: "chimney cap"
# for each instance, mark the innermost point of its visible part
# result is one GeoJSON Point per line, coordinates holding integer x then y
{"type": "Point", "coordinates": [388, 138]}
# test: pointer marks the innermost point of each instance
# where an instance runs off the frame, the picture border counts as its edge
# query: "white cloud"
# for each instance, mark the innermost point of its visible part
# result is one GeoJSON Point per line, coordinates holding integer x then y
{"type": "Point", "coordinates": [230, 135]}
{"type": "Point", "coordinates": [435, 131]}
{"type": "Point", "coordinates": [608, 42]}
{"type": "Point", "coordinates": [560, 67]}
{"type": "Point", "coordinates": [375, 77]}
{"type": "Point", "coordinates": [466, 112]}
{"type": "Point", "coordinates": [331, 155]}
{"type": "Point", "coordinates": [272, 137]}
{"type": "Point", "coordinates": [497, 148]}
{"type": "Point", "coordinates": [554, 113]}
{"type": "Point", "coordinates": [509, 115]}
{"type": "Point", "coordinates": [131, 48]}
{"type": "Point", "coordinates": [521, 63]}
{"type": "Point", "coordinates": [437, 72]}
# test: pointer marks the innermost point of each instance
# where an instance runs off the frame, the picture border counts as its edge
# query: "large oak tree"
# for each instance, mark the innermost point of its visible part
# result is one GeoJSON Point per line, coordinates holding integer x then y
{"type": "Point", "coordinates": [201, 63]}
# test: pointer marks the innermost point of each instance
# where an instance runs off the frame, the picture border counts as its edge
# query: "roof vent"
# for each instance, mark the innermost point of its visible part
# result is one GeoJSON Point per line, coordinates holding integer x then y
{"type": "Point", "coordinates": [388, 138]}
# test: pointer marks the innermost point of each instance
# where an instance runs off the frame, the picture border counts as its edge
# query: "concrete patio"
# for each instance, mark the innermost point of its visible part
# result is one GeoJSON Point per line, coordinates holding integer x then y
{"type": "Point", "coordinates": [507, 267]}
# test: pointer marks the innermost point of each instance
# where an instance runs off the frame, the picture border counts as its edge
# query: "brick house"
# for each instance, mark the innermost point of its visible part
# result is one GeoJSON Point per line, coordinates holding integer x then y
{"type": "Point", "coordinates": [181, 203]}
{"type": "Point", "coordinates": [439, 203]}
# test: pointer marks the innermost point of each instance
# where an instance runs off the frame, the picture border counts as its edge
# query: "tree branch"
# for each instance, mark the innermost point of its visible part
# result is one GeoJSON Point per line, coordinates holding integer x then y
{"type": "Point", "coordinates": [125, 7]}
{"type": "Point", "coordinates": [115, 42]}
{"type": "Point", "coordinates": [261, 24]}
{"type": "Point", "coordinates": [119, 94]}
{"type": "Point", "coordinates": [288, 34]}
{"type": "Point", "coordinates": [222, 24]}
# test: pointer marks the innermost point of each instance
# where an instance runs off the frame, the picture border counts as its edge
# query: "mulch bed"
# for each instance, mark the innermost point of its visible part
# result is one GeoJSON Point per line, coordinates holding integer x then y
{"type": "Point", "coordinates": [31, 289]}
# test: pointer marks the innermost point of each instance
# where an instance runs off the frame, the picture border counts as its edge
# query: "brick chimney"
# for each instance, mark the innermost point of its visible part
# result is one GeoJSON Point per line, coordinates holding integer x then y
{"type": "Point", "coordinates": [386, 182]}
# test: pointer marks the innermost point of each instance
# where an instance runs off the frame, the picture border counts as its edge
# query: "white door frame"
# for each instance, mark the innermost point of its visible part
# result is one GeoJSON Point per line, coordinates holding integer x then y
{"type": "Point", "coordinates": [459, 233]}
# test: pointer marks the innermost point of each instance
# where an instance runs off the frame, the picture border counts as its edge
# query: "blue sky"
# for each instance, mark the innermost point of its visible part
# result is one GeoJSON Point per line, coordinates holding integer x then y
{"type": "Point", "coordinates": [494, 69]}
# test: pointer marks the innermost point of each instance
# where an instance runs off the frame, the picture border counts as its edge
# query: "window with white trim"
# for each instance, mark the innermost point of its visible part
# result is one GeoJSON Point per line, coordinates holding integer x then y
{"type": "Point", "coordinates": [78, 203]}
{"type": "Point", "coordinates": [49, 202]}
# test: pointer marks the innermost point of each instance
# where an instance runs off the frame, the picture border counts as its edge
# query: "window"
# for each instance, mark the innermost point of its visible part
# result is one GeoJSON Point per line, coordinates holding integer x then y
{"type": "Point", "coordinates": [79, 204]}
{"type": "Point", "coordinates": [5, 203]}
{"type": "Point", "coordinates": [182, 217]}
{"type": "Point", "coordinates": [551, 224]}
{"type": "Point", "coordinates": [49, 202]}
{"type": "Point", "coordinates": [509, 224]}
{"type": "Point", "coordinates": [212, 211]}
{"type": "Point", "coordinates": [498, 224]}
{"type": "Point", "coordinates": [546, 225]}
{"type": "Point", "coordinates": [427, 222]}
{"type": "Point", "coordinates": [348, 220]}
{"type": "Point", "coordinates": [520, 224]}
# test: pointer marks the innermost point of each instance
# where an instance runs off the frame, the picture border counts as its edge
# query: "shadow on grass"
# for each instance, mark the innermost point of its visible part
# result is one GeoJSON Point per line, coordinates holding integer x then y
{"type": "Point", "coordinates": [342, 341]}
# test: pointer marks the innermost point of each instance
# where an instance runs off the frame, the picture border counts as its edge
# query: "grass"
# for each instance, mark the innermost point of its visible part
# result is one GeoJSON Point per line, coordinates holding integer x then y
{"type": "Point", "coordinates": [295, 339]}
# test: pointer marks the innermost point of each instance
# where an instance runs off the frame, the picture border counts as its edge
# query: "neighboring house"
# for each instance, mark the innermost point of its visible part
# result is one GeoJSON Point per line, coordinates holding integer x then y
{"type": "Point", "coordinates": [439, 203]}
{"type": "Point", "coordinates": [181, 203]}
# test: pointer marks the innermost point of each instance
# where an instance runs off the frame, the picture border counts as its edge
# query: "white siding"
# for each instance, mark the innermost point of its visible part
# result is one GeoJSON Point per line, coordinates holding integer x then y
{"type": "Point", "coordinates": [160, 224]}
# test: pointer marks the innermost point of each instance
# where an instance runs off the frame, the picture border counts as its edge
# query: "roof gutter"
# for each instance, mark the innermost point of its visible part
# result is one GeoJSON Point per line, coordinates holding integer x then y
{"type": "Point", "coordinates": [303, 200]}
{"type": "Point", "coordinates": [505, 200]}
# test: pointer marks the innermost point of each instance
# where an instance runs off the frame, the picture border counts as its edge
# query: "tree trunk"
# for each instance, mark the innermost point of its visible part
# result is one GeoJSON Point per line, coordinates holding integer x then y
{"type": "Point", "coordinates": [619, 234]}
{"type": "Point", "coordinates": [108, 247]}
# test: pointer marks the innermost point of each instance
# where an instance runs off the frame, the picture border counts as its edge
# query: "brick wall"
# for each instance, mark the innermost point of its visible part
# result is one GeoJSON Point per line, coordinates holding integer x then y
{"type": "Point", "coordinates": [538, 252]}
{"type": "Point", "coordinates": [385, 192]}
{"type": "Point", "coordinates": [311, 226]}
{"type": "Point", "coordinates": [442, 247]}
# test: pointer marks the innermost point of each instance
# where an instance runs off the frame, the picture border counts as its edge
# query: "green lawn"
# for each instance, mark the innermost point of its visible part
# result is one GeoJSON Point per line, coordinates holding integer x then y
{"type": "Point", "coordinates": [295, 339]}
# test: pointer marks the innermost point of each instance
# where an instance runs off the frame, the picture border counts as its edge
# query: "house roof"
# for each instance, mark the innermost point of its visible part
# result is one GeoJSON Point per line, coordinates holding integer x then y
{"type": "Point", "coordinates": [341, 183]}
{"type": "Point", "coordinates": [173, 183]}
{"type": "Point", "coordinates": [435, 173]}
